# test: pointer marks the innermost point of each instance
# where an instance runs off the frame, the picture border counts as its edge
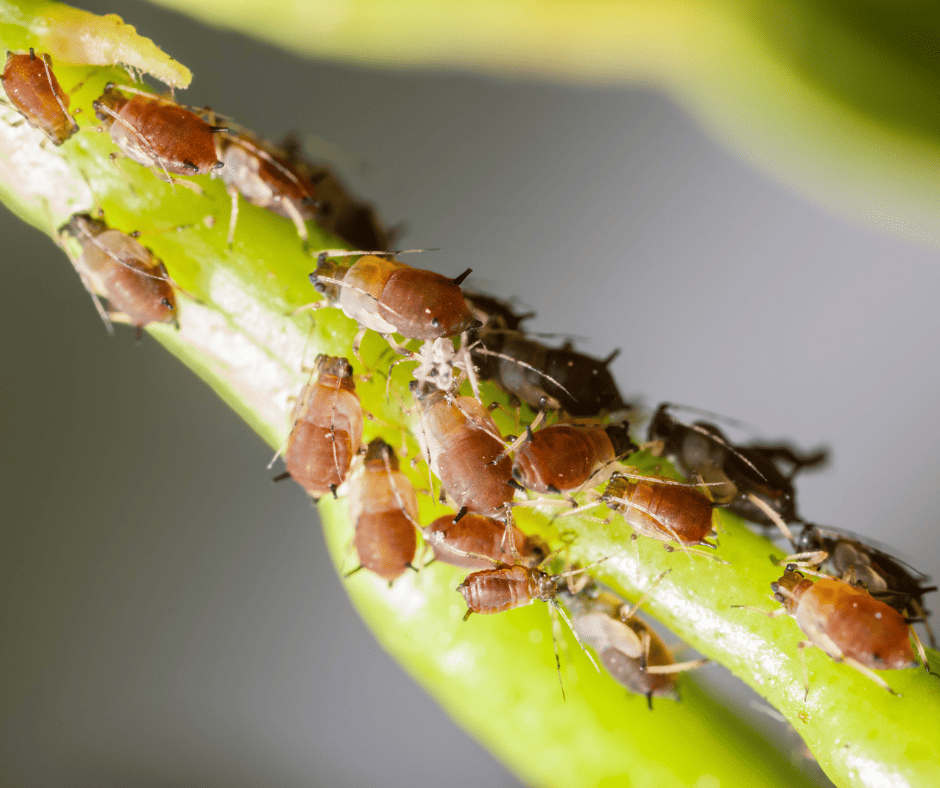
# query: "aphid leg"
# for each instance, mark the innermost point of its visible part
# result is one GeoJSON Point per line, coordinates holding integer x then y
{"type": "Point", "coordinates": [351, 572]}
{"type": "Point", "coordinates": [626, 615]}
{"type": "Point", "coordinates": [866, 672]}
{"type": "Point", "coordinates": [574, 632]}
{"type": "Point", "coordinates": [775, 518]}
{"type": "Point", "coordinates": [769, 613]}
{"type": "Point", "coordinates": [291, 210]}
{"type": "Point", "coordinates": [810, 558]}
{"type": "Point", "coordinates": [357, 341]}
{"type": "Point", "coordinates": [232, 217]}
{"type": "Point", "coordinates": [554, 621]}
{"type": "Point", "coordinates": [281, 476]}
{"type": "Point", "coordinates": [921, 653]}
{"type": "Point", "coordinates": [677, 667]}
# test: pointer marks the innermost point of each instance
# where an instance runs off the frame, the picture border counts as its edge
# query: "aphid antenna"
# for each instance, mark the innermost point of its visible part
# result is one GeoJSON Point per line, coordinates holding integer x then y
{"type": "Point", "coordinates": [731, 422]}
{"type": "Point", "coordinates": [95, 298]}
{"type": "Point", "coordinates": [775, 518]}
{"type": "Point", "coordinates": [525, 365]}
{"type": "Point", "coordinates": [386, 461]}
{"type": "Point", "coordinates": [324, 254]}
{"type": "Point", "coordinates": [626, 615]}
{"type": "Point", "coordinates": [45, 66]}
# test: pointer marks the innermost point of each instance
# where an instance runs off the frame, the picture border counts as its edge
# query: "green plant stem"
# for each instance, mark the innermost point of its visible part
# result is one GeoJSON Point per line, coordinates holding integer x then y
{"type": "Point", "coordinates": [495, 674]}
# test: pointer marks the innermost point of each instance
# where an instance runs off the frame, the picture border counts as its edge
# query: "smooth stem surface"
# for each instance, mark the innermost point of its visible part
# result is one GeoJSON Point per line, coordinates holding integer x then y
{"type": "Point", "coordinates": [495, 674]}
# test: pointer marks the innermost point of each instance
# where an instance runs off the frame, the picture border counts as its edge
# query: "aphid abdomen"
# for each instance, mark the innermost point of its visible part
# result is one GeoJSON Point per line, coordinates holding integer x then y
{"type": "Point", "coordinates": [561, 458]}
{"type": "Point", "coordinates": [496, 590]}
{"type": "Point", "coordinates": [525, 383]}
{"type": "Point", "coordinates": [459, 543]}
{"type": "Point", "coordinates": [34, 91]}
{"type": "Point", "coordinates": [386, 543]}
{"type": "Point", "coordinates": [668, 512]}
{"type": "Point", "coordinates": [157, 133]}
{"type": "Point", "coordinates": [862, 628]}
{"type": "Point", "coordinates": [318, 457]}
{"type": "Point", "coordinates": [143, 294]}
{"type": "Point", "coordinates": [424, 305]}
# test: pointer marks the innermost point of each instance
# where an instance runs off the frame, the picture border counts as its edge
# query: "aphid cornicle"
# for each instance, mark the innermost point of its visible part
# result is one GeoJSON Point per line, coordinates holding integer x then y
{"type": "Point", "coordinates": [460, 439]}
{"type": "Point", "coordinates": [848, 624]}
{"type": "Point", "coordinates": [327, 430]}
{"type": "Point", "coordinates": [388, 296]}
{"type": "Point", "coordinates": [158, 133]}
{"type": "Point", "coordinates": [742, 477]}
{"type": "Point", "coordinates": [669, 512]}
{"type": "Point", "coordinates": [383, 508]}
{"type": "Point", "coordinates": [546, 377]}
{"type": "Point", "coordinates": [856, 562]}
{"type": "Point", "coordinates": [569, 458]}
{"type": "Point", "coordinates": [35, 93]}
{"type": "Point", "coordinates": [135, 282]}
{"type": "Point", "coordinates": [263, 174]}
{"type": "Point", "coordinates": [477, 542]}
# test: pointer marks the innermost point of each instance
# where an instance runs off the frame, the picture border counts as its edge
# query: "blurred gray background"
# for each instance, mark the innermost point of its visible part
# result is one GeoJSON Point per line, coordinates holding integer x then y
{"type": "Point", "coordinates": [169, 616]}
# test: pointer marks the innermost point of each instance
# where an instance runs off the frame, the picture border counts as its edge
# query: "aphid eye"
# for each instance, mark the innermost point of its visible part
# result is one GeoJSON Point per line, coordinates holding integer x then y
{"type": "Point", "coordinates": [320, 287]}
{"type": "Point", "coordinates": [780, 598]}
{"type": "Point", "coordinates": [166, 303]}
{"type": "Point", "coordinates": [435, 323]}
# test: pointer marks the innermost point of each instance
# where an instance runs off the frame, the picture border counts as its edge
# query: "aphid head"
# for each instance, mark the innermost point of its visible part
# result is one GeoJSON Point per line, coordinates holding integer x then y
{"type": "Point", "coordinates": [619, 435]}
{"type": "Point", "coordinates": [109, 103]}
{"type": "Point", "coordinates": [546, 584]}
{"type": "Point", "coordinates": [333, 365]}
{"type": "Point", "coordinates": [789, 588]}
{"type": "Point", "coordinates": [617, 488]}
{"type": "Point", "coordinates": [82, 225]}
{"type": "Point", "coordinates": [380, 455]}
{"type": "Point", "coordinates": [328, 270]}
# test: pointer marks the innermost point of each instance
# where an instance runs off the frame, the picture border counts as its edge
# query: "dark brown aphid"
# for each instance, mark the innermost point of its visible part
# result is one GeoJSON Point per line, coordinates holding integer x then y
{"type": "Point", "coordinates": [477, 542]}
{"type": "Point", "coordinates": [568, 458]}
{"type": "Point", "coordinates": [545, 377]}
{"type": "Point", "coordinates": [631, 652]}
{"type": "Point", "coordinates": [158, 133]}
{"type": "Point", "coordinates": [661, 509]}
{"type": "Point", "coordinates": [135, 282]}
{"type": "Point", "coordinates": [338, 212]}
{"type": "Point", "coordinates": [748, 479]}
{"type": "Point", "coordinates": [388, 296]}
{"type": "Point", "coordinates": [847, 623]}
{"type": "Point", "coordinates": [264, 175]}
{"type": "Point", "coordinates": [384, 510]}
{"type": "Point", "coordinates": [327, 429]}
{"type": "Point", "coordinates": [35, 93]}
{"type": "Point", "coordinates": [858, 563]}
{"type": "Point", "coordinates": [465, 451]}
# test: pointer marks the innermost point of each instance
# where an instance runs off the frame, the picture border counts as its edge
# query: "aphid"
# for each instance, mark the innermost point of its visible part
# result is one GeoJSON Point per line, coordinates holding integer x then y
{"type": "Point", "coordinates": [327, 429]}
{"type": "Point", "coordinates": [545, 377]}
{"type": "Point", "coordinates": [494, 313]}
{"type": "Point", "coordinates": [158, 133]}
{"type": "Point", "coordinates": [383, 507]}
{"type": "Point", "coordinates": [631, 652]}
{"type": "Point", "coordinates": [135, 282]}
{"type": "Point", "coordinates": [858, 563]}
{"type": "Point", "coordinates": [465, 451]}
{"type": "Point", "coordinates": [747, 479]}
{"type": "Point", "coordinates": [847, 623]}
{"type": "Point", "coordinates": [661, 509]}
{"type": "Point", "coordinates": [35, 93]}
{"type": "Point", "coordinates": [569, 458]}
{"type": "Point", "coordinates": [390, 297]}
{"type": "Point", "coordinates": [264, 175]}
{"type": "Point", "coordinates": [477, 542]}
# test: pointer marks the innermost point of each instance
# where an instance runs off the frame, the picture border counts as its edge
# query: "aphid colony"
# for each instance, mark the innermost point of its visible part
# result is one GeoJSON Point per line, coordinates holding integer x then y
{"type": "Point", "coordinates": [578, 443]}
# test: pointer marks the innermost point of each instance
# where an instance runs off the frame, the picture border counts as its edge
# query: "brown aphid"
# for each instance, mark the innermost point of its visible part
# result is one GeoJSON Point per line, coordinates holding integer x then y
{"type": "Point", "coordinates": [327, 429]}
{"type": "Point", "coordinates": [569, 458]}
{"type": "Point", "coordinates": [629, 650]}
{"type": "Point", "coordinates": [264, 175]}
{"type": "Point", "coordinates": [35, 93]}
{"type": "Point", "coordinates": [848, 623]}
{"type": "Point", "coordinates": [477, 542]}
{"type": "Point", "coordinates": [158, 133]}
{"type": "Point", "coordinates": [135, 282]}
{"type": "Point", "coordinates": [506, 587]}
{"type": "Point", "coordinates": [383, 507]}
{"type": "Point", "coordinates": [465, 451]}
{"type": "Point", "coordinates": [660, 509]}
{"type": "Point", "coordinates": [390, 297]}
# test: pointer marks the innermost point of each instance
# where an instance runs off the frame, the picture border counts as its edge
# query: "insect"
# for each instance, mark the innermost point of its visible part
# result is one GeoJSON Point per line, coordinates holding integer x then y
{"type": "Point", "coordinates": [35, 93]}
{"type": "Point", "coordinates": [477, 542]}
{"type": "Point", "coordinates": [338, 212]}
{"type": "Point", "coordinates": [494, 313]}
{"type": "Point", "coordinates": [465, 450]}
{"type": "Point", "coordinates": [545, 377]}
{"type": "Point", "coordinates": [158, 133]}
{"type": "Point", "coordinates": [383, 507]}
{"type": "Point", "coordinates": [856, 562]}
{"type": "Point", "coordinates": [631, 652]}
{"type": "Point", "coordinates": [661, 509]}
{"type": "Point", "coordinates": [263, 174]}
{"type": "Point", "coordinates": [747, 479]}
{"type": "Point", "coordinates": [848, 623]}
{"type": "Point", "coordinates": [327, 429]}
{"type": "Point", "coordinates": [113, 263]}
{"type": "Point", "coordinates": [390, 297]}
{"type": "Point", "coordinates": [569, 458]}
